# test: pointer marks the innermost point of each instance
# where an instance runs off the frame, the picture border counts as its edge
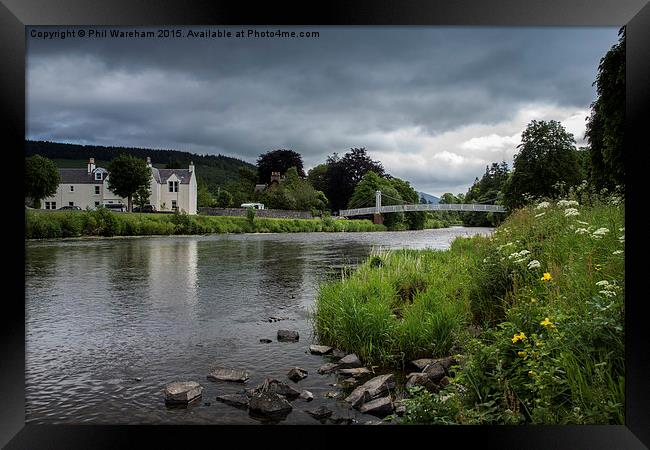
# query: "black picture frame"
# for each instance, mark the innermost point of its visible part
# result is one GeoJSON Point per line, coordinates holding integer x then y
{"type": "Point", "coordinates": [16, 14]}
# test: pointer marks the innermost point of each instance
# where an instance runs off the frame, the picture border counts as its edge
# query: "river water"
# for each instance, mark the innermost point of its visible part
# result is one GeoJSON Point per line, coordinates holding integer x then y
{"type": "Point", "coordinates": [109, 322]}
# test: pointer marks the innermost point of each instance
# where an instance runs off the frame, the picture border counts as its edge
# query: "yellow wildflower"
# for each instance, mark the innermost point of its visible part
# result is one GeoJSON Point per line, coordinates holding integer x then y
{"type": "Point", "coordinates": [546, 322]}
{"type": "Point", "coordinates": [518, 337]}
{"type": "Point", "coordinates": [598, 267]}
{"type": "Point", "coordinates": [522, 354]}
{"type": "Point", "coordinates": [547, 277]}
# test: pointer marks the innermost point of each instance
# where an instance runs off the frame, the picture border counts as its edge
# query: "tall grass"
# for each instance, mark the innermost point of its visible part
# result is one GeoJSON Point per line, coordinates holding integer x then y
{"type": "Point", "coordinates": [547, 289]}
{"type": "Point", "coordinates": [61, 224]}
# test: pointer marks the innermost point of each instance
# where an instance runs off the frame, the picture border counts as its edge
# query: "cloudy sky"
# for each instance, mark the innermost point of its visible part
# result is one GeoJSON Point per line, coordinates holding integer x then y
{"type": "Point", "coordinates": [434, 104]}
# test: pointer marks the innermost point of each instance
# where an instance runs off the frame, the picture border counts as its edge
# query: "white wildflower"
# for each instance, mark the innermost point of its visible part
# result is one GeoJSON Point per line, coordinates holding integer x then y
{"type": "Point", "coordinates": [608, 294]}
{"type": "Point", "coordinates": [543, 205]}
{"type": "Point", "coordinates": [621, 229]}
{"type": "Point", "coordinates": [621, 239]}
{"type": "Point", "coordinates": [582, 222]}
{"type": "Point", "coordinates": [602, 283]}
{"type": "Point", "coordinates": [617, 252]}
{"type": "Point", "coordinates": [599, 233]}
{"type": "Point", "coordinates": [534, 264]}
{"type": "Point", "coordinates": [582, 231]}
{"type": "Point", "coordinates": [540, 214]}
{"type": "Point", "coordinates": [571, 212]}
{"type": "Point", "coordinates": [563, 203]}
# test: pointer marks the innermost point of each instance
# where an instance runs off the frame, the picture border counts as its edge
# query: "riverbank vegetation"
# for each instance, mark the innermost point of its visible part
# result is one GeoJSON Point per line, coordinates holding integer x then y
{"type": "Point", "coordinates": [40, 224]}
{"type": "Point", "coordinates": [546, 292]}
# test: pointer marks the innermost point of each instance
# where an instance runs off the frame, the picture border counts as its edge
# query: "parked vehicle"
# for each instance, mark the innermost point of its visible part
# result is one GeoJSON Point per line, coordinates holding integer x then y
{"type": "Point", "coordinates": [70, 207]}
{"type": "Point", "coordinates": [146, 209]}
{"type": "Point", "coordinates": [253, 205]}
{"type": "Point", "coordinates": [117, 207]}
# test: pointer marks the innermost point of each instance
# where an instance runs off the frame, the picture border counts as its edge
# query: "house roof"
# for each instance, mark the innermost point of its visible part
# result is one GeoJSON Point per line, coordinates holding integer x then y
{"type": "Point", "coordinates": [78, 176]}
{"type": "Point", "coordinates": [183, 175]}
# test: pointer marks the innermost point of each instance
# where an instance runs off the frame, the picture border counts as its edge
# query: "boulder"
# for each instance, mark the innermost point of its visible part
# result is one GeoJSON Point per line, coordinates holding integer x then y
{"type": "Point", "coordinates": [182, 392]}
{"type": "Point", "coordinates": [320, 413]}
{"type": "Point", "coordinates": [319, 349]}
{"type": "Point", "coordinates": [379, 407]}
{"type": "Point", "coordinates": [400, 408]}
{"type": "Point", "coordinates": [420, 364]}
{"type": "Point", "coordinates": [327, 368]}
{"type": "Point", "coordinates": [276, 387]}
{"type": "Point", "coordinates": [338, 354]}
{"type": "Point", "coordinates": [435, 371]}
{"type": "Point", "coordinates": [372, 389]}
{"type": "Point", "coordinates": [296, 374]}
{"type": "Point", "coordinates": [288, 336]}
{"type": "Point", "coordinates": [223, 374]}
{"type": "Point", "coordinates": [356, 372]}
{"type": "Point", "coordinates": [421, 379]}
{"type": "Point", "coordinates": [446, 363]}
{"type": "Point", "coordinates": [348, 382]}
{"type": "Point", "coordinates": [269, 404]}
{"type": "Point", "coordinates": [350, 361]}
{"type": "Point", "coordinates": [236, 400]}
{"type": "Point", "coordinates": [306, 396]}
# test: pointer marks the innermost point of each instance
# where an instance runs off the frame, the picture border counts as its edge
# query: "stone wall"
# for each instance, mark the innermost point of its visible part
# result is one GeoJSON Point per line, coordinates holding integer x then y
{"type": "Point", "coordinates": [241, 212]}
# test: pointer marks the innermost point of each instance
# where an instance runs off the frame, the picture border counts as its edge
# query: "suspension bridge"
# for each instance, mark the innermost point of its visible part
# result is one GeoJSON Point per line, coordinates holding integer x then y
{"type": "Point", "coordinates": [378, 209]}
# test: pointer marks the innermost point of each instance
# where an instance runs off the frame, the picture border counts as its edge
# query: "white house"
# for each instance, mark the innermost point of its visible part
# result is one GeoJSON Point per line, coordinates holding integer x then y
{"type": "Point", "coordinates": [171, 189]}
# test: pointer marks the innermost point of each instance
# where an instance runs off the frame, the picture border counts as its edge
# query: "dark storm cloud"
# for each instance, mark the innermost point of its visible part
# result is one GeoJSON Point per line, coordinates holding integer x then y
{"type": "Point", "coordinates": [392, 90]}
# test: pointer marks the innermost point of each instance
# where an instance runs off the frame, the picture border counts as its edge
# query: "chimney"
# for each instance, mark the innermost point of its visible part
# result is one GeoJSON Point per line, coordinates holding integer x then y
{"type": "Point", "coordinates": [191, 166]}
{"type": "Point", "coordinates": [148, 162]}
{"type": "Point", "coordinates": [91, 165]}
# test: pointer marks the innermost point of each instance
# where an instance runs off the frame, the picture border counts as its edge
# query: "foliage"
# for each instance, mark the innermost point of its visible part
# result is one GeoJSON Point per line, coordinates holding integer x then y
{"type": "Point", "coordinates": [295, 193]}
{"type": "Point", "coordinates": [317, 177]}
{"type": "Point", "coordinates": [364, 195]}
{"type": "Point", "coordinates": [41, 178]}
{"type": "Point", "coordinates": [242, 189]}
{"type": "Point", "coordinates": [204, 197]}
{"type": "Point", "coordinates": [548, 288]}
{"type": "Point", "coordinates": [41, 224]}
{"type": "Point", "coordinates": [142, 196]}
{"type": "Point", "coordinates": [414, 220]}
{"type": "Point", "coordinates": [343, 175]}
{"type": "Point", "coordinates": [127, 175]}
{"type": "Point", "coordinates": [606, 123]}
{"type": "Point", "coordinates": [546, 156]}
{"type": "Point", "coordinates": [278, 161]}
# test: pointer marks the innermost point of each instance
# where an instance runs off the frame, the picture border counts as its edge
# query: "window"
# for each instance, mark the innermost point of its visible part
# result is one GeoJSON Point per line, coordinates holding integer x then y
{"type": "Point", "coordinates": [174, 204]}
{"type": "Point", "coordinates": [98, 175]}
{"type": "Point", "coordinates": [96, 204]}
{"type": "Point", "coordinates": [71, 188]}
{"type": "Point", "coordinates": [50, 205]}
{"type": "Point", "coordinates": [96, 190]}
{"type": "Point", "coordinates": [71, 203]}
{"type": "Point", "coordinates": [173, 186]}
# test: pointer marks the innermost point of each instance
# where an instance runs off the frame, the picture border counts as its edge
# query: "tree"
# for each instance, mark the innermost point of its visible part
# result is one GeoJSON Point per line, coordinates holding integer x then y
{"type": "Point", "coordinates": [204, 197]}
{"type": "Point", "coordinates": [278, 161]}
{"type": "Point", "coordinates": [127, 174]}
{"type": "Point", "coordinates": [294, 193]}
{"type": "Point", "coordinates": [141, 196]}
{"type": "Point", "coordinates": [224, 199]}
{"type": "Point", "coordinates": [547, 156]}
{"type": "Point", "coordinates": [414, 219]}
{"type": "Point", "coordinates": [488, 190]}
{"type": "Point", "coordinates": [41, 179]}
{"type": "Point", "coordinates": [605, 125]}
{"type": "Point", "coordinates": [365, 190]}
{"type": "Point", "coordinates": [343, 175]}
{"type": "Point", "coordinates": [173, 164]}
{"type": "Point", "coordinates": [317, 176]}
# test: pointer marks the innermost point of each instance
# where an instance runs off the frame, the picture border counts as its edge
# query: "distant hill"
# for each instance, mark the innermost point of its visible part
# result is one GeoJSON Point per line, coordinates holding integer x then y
{"type": "Point", "coordinates": [429, 198]}
{"type": "Point", "coordinates": [215, 170]}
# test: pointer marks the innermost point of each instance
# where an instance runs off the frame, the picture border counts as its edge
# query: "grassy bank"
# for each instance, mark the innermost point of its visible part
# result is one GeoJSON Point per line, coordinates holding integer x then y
{"type": "Point", "coordinates": [59, 224]}
{"type": "Point", "coordinates": [547, 292]}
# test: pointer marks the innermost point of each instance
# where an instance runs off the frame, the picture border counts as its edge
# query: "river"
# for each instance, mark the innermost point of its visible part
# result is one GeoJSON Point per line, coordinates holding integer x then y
{"type": "Point", "coordinates": [109, 322]}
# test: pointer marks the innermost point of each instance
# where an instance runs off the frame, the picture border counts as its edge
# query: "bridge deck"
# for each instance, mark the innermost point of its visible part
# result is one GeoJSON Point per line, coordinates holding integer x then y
{"type": "Point", "coordinates": [425, 207]}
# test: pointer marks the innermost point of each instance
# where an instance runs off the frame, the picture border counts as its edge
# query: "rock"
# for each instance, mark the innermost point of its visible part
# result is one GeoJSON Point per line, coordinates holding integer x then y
{"type": "Point", "coordinates": [320, 413]}
{"type": "Point", "coordinates": [350, 361]}
{"type": "Point", "coordinates": [138, 378]}
{"type": "Point", "coordinates": [327, 368]}
{"type": "Point", "coordinates": [420, 364]}
{"type": "Point", "coordinates": [306, 396]}
{"type": "Point", "coordinates": [379, 407]}
{"type": "Point", "coordinates": [266, 341]}
{"type": "Point", "coordinates": [319, 349]}
{"type": "Point", "coordinates": [276, 387]}
{"type": "Point", "coordinates": [296, 374]}
{"type": "Point", "coordinates": [356, 372]}
{"type": "Point", "coordinates": [223, 374]}
{"type": "Point", "coordinates": [400, 408]}
{"type": "Point", "coordinates": [445, 362]}
{"type": "Point", "coordinates": [236, 400]}
{"type": "Point", "coordinates": [288, 336]}
{"type": "Point", "coordinates": [421, 379]}
{"type": "Point", "coordinates": [331, 394]}
{"type": "Point", "coordinates": [348, 382]}
{"type": "Point", "coordinates": [276, 319]}
{"type": "Point", "coordinates": [372, 389]}
{"type": "Point", "coordinates": [269, 404]}
{"type": "Point", "coordinates": [435, 371]}
{"type": "Point", "coordinates": [373, 422]}
{"type": "Point", "coordinates": [338, 354]}
{"type": "Point", "coordinates": [182, 392]}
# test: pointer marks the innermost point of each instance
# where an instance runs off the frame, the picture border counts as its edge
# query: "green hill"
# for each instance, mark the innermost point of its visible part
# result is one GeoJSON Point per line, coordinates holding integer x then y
{"type": "Point", "coordinates": [215, 170]}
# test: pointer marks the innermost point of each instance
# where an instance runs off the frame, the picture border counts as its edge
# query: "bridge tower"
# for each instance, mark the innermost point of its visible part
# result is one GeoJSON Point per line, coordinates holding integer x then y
{"type": "Point", "coordinates": [377, 218]}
